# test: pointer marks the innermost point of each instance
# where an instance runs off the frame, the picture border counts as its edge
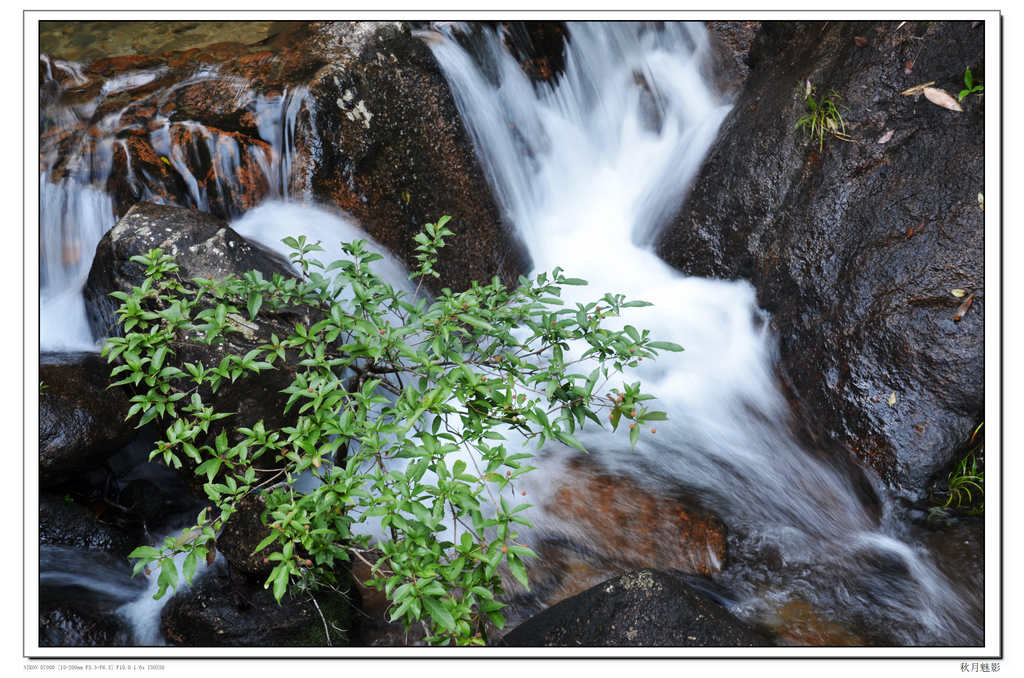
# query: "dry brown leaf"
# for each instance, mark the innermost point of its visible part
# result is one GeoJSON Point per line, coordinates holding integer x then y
{"type": "Point", "coordinates": [941, 97]}
{"type": "Point", "coordinates": [958, 293]}
{"type": "Point", "coordinates": [861, 42]}
{"type": "Point", "coordinates": [885, 137]}
{"type": "Point", "coordinates": [908, 67]}
{"type": "Point", "coordinates": [917, 89]}
{"type": "Point", "coordinates": [963, 308]}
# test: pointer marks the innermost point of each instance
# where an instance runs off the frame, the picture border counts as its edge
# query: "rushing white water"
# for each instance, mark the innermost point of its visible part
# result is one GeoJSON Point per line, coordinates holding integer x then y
{"type": "Point", "coordinates": [588, 169]}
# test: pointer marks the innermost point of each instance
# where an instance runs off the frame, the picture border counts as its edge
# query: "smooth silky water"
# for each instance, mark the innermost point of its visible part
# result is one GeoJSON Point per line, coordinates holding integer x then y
{"type": "Point", "coordinates": [587, 169]}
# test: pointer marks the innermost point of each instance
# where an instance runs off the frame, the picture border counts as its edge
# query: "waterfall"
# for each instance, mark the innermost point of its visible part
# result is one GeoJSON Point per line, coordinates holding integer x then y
{"type": "Point", "coordinates": [588, 169]}
{"type": "Point", "coordinates": [76, 205]}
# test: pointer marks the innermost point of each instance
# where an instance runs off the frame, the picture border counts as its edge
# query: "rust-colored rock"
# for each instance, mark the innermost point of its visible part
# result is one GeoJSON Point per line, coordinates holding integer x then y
{"type": "Point", "coordinates": [797, 623]}
{"type": "Point", "coordinates": [617, 526]}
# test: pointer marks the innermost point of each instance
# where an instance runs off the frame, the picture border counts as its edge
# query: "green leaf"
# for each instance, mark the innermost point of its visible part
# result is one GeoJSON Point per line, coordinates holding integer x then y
{"type": "Point", "coordinates": [476, 322]}
{"type": "Point", "coordinates": [254, 303]}
{"type": "Point", "coordinates": [665, 346]}
{"type": "Point", "coordinates": [280, 575]}
{"type": "Point", "coordinates": [168, 577]}
{"type": "Point", "coordinates": [441, 616]}
{"type": "Point", "coordinates": [518, 570]}
{"type": "Point", "coordinates": [188, 568]}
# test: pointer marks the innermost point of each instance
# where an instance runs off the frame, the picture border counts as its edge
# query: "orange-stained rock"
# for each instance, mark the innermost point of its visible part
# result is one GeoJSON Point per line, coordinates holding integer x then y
{"type": "Point", "coordinates": [797, 623]}
{"type": "Point", "coordinates": [617, 526]}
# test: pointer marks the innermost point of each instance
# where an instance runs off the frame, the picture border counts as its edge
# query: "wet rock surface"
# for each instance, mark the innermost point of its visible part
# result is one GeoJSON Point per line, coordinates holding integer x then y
{"type": "Point", "coordinates": [730, 45]}
{"type": "Point", "coordinates": [67, 626]}
{"type": "Point", "coordinates": [242, 534]}
{"type": "Point", "coordinates": [223, 609]}
{"type": "Point", "coordinates": [81, 422]}
{"type": "Point", "coordinates": [65, 522]}
{"type": "Point", "coordinates": [352, 114]}
{"type": "Point", "coordinates": [612, 526]}
{"type": "Point", "coordinates": [855, 247]}
{"type": "Point", "coordinates": [203, 247]}
{"type": "Point", "coordinates": [384, 142]}
{"type": "Point", "coordinates": [647, 608]}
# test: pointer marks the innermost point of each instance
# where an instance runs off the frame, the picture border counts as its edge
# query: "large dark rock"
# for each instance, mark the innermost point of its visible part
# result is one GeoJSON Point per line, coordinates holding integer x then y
{"type": "Point", "coordinates": [854, 248]}
{"type": "Point", "coordinates": [203, 247]}
{"type": "Point", "coordinates": [225, 610]}
{"type": "Point", "coordinates": [646, 608]}
{"type": "Point", "coordinates": [81, 421]}
{"type": "Point", "coordinates": [383, 140]}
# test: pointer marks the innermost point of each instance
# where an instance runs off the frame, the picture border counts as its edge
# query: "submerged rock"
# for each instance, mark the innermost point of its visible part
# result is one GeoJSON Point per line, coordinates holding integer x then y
{"type": "Point", "coordinates": [854, 247]}
{"type": "Point", "coordinates": [599, 525]}
{"type": "Point", "coordinates": [81, 421]}
{"type": "Point", "coordinates": [646, 608]}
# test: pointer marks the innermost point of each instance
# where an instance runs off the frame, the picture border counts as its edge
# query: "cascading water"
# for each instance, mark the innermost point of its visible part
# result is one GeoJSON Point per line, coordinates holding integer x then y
{"type": "Point", "coordinates": [76, 205]}
{"type": "Point", "coordinates": [588, 169]}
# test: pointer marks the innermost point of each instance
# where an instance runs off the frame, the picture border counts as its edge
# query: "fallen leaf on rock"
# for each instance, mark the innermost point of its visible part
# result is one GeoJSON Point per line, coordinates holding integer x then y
{"type": "Point", "coordinates": [908, 67]}
{"type": "Point", "coordinates": [963, 308]}
{"type": "Point", "coordinates": [861, 42]}
{"type": "Point", "coordinates": [958, 293]}
{"type": "Point", "coordinates": [917, 89]}
{"type": "Point", "coordinates": [941, 97]}
{"type": "Point", "coordinates": [885, 137]}
{"type": "Point", "coordinates": [892, 399]}
{"type": "Point", "coordinates": [981, 201]}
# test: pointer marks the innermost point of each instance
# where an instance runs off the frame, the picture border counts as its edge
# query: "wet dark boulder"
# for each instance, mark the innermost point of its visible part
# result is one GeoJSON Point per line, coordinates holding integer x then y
{"type": "Point", "coordinates": [645, 608]}
{"type": "Point", "coordinates": [81, 421]}
{"type": "Point", "coordinates": [66, 522]}
{"type": "Point", "coordinates": [203, 246]}
{"type": "Point", "coordinates": [730, 46]}
{"type": "Point", "coordinates": [222, 609]}
{"type": "Point", "coordinates": [856, 246]}
{"type": "Point", "coordinates": [382, 140]}
{"type": "Point", "coordinates": [71, 626]}
{"type": "Point", "coordinates": [242, 534]}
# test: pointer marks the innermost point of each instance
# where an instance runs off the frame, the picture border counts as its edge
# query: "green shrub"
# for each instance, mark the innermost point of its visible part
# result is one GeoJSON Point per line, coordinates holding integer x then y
{"type": "Point", "coordinates": [399, 408]}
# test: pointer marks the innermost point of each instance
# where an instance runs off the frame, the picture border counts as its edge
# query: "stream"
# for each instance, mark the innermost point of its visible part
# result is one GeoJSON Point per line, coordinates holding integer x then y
{"type": "Point", "coordinates": [588, 167]}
